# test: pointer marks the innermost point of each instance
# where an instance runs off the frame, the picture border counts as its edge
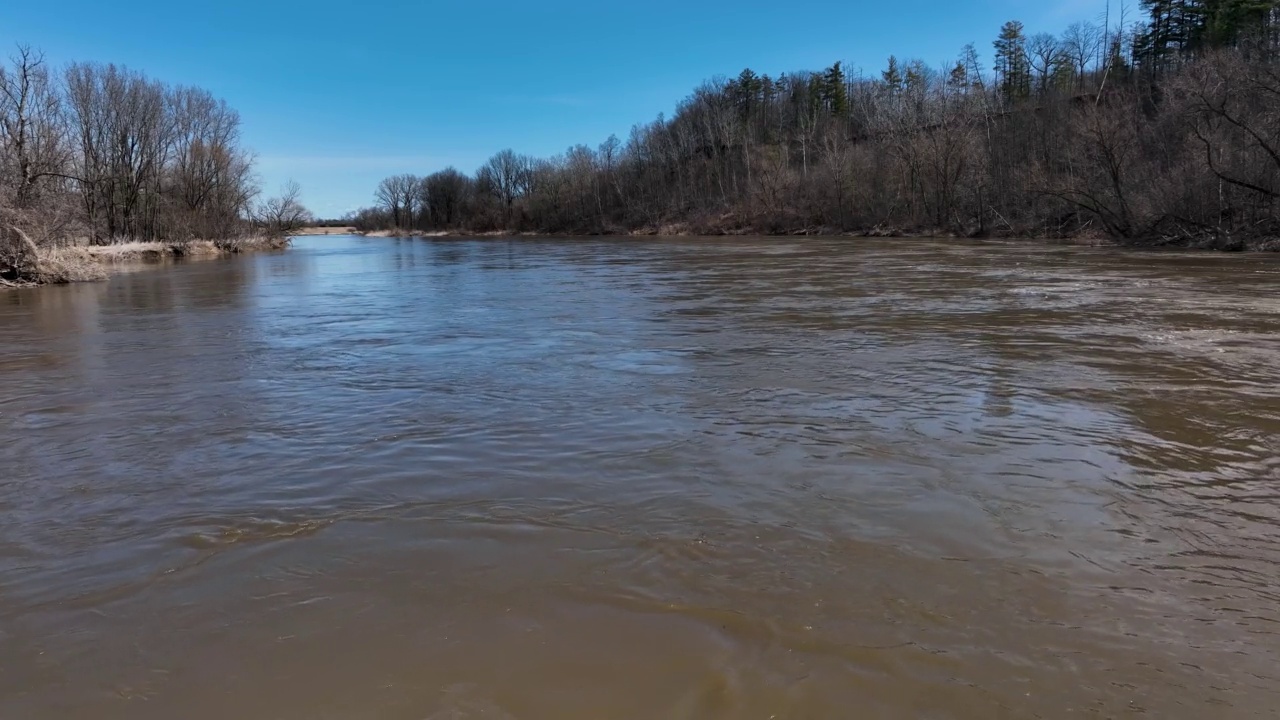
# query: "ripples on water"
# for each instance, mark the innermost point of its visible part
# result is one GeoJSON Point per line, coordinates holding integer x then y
{"type": "Point", "coordinates": [679, 479]}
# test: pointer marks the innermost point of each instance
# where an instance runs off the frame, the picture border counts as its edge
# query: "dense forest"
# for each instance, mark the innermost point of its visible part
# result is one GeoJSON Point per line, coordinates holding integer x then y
{"type": "Point", "coordinates": [1161, 131]}
{"type": "Point", "coordinates": [99, 154]}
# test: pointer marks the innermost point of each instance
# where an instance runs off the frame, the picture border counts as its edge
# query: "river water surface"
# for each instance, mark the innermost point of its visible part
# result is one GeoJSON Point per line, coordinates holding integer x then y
{"type": "Point", "coordinates": [590, 479]}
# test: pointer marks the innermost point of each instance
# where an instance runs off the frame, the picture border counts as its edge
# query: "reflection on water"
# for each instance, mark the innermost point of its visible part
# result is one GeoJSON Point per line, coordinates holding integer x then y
{"type": "Point", "coordinates": [636, 479]}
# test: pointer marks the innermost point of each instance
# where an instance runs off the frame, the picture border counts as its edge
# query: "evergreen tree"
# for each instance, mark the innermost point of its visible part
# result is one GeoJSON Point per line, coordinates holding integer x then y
{"type": "Point", "coordinates": [1117, 65]}
{"type": "Point", "coordinates": [972, 66]}
{"type": "Point", "coordinates": [958, 78]}
{"type": "Point", "coordinates": [834, 92]}
{"type": "Point", "coordinates": [1176, 28]}
{"type": "Point", "coordinates": [1012, 63]}
{"type": "Point", "coordinates": [1062, 73]}
{"type": "Point", "coordinates": [768, 90]}
{"type": "Point", "coordinates": [1173, 27]}
{"type": "Point", "coordinates": [892, 76]}
{"type": "Point", "coordinates": [1224, 22]}
{"type": "Point", "coordinates": [745, 91]}
{"type": "Point", "coordinates": [916, 76]}
{"type": "Point", "coordinates": [814, 97]}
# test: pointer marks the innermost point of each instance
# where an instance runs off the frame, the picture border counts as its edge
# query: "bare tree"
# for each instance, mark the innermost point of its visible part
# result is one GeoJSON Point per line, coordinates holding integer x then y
{"type": "Point", "coordinates": [1060, 142]}
{"type": "Point", "coordinates": [124, 133]}
{"type": "Point", "coordinates": [1081, 43]}
{"type": "Point", "coordinates": [1044, 53]}
{"type": "Point", "coordinates": [444, 196]}
{"type": "Point", "coordinates": [398, 195]}
{"type": "Point", "coordinates": [33, 143]}
{"type": "Point", "coordinates": [108, 153]}
{"type": "Point", "coordinates": [209, 176]}
{"type": "Point", "coordinates": [508, 175]}
{"type": "Point", "coordinates": [1232, 108]}
{"type": "Point", "coordinates": [285, 213]}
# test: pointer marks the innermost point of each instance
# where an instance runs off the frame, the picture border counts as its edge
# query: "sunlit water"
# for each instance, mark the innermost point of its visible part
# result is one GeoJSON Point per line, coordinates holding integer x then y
{"type": "Point", "coordinates": [588, 479]}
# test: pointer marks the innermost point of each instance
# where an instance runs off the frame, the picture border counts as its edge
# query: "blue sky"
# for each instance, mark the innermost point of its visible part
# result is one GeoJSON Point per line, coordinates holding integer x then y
{"type": "Point", "coordinates": [338, 95]}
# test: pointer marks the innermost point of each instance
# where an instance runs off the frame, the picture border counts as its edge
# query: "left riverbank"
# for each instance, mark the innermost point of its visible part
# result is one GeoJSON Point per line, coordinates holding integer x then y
{"type": "Point", "coordinates": [24, 264]}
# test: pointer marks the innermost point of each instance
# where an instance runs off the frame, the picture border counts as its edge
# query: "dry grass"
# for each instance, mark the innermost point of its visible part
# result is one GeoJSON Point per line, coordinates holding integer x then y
{"type": "Point", "coordinates": [253, 243]}
{"type": "Point", "coordinates": [68, 267]}
{"type": "Point", "coordinates": [325, 231]}
{"type": "Point", "coordinates": [82, 263]}
{"type": "Point", "coordinates": [197, 248]}
{"type": "Point", "coordinates": [121, 253]}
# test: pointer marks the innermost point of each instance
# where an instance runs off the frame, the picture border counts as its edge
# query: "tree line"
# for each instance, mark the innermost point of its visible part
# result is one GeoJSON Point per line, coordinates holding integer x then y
{"type": "Point", "coordinates": [100, 153]}
{"type": "Point", "coordinates": [1160, 130]}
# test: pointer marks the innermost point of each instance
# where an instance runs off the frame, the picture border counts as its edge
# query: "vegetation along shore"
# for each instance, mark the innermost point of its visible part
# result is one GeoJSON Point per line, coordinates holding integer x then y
{"type": "Point", "coordinates": [100, 164]}
{"type": "Point", "coordinates": [1163, 132]}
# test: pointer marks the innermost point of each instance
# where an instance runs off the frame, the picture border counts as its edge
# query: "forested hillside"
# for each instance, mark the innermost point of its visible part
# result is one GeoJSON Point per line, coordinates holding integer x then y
{"type": "Point", "coordinates": [1160, 131]}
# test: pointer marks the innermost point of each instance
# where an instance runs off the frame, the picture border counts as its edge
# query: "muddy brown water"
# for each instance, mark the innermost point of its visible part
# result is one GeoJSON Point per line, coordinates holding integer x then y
{"type": "Point", "coordinates": [745, 478]}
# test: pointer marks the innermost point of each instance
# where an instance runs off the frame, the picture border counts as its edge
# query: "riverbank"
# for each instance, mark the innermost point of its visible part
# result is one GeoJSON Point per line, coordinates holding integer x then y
{"type": "Point", "coordinates": [1085, 237]}
{"type": "Point", "coordinates": [321, 230]}
{"type": "Point", "coordinates": [680, 230]}
{"type": "Point", "coordinates": [26, 264]}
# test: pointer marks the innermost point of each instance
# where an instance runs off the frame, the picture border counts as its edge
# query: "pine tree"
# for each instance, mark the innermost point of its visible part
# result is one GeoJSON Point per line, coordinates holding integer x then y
{"type": "Point", "coordinates": [834, 93]}
{"type": "Point", "coordinates": [1117, 65]}
{"type": "Point", "coordinates": [892, 76]}
{"type": "Point", "coordinates": [972, 66]}
{"type": "Point", "coordinates": [958, 78]}
{"type": "Point", "coordinates": [1225, 22]}
{"type": "Point", "coordinates": [768, 90]}
{"type": "Point", "coordinates": [1173, 27]}
{"type": "Point", "coordinates": [1012, 63]}
{"type": "Point", "coordinates": [1062, 72]}
{"type": "Point", "coordinates": [1176, 28]}
{"type": "Point", "coordinates": [745, 91]}
{"type": "Point", "coordinates": [917, 72]}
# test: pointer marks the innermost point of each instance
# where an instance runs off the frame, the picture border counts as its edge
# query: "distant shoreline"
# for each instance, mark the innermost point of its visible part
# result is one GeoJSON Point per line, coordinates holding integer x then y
{"type": "Point", "coordinates": [674, 231]}
{"type": "Point", "coordinates": [320, 230]}
{"type": "Point", "coordinates": [671, 230]}
{"type": "Point", "coordinates": [684, 230]}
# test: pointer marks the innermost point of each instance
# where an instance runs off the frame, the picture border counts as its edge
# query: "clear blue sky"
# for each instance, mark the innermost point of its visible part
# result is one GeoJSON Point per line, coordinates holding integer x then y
{"type": "Point", "coordinates": [341, 94]}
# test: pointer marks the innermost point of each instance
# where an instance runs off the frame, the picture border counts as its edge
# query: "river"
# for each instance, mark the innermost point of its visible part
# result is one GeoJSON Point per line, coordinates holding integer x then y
{"type": "Point", "coordinates": [682, 478]}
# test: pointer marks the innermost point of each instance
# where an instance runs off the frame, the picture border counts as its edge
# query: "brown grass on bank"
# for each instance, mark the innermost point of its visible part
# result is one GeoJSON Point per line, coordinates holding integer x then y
{"type": "Point", "coordinates": [321, 230]}
{"type": "Point", "coordinates": [253, 243]}
{"type": "Point", "coordinates": [130, 252]}
{"type": "Point", "coordinates": [27, 264]}
{"type": "Point", "coordinates": [56, 268]}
